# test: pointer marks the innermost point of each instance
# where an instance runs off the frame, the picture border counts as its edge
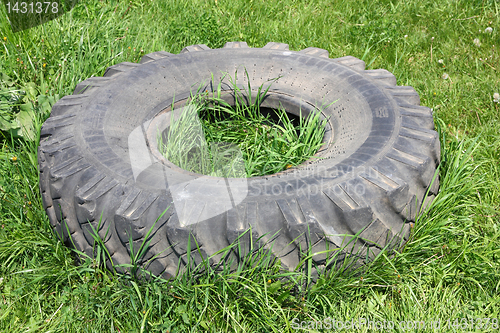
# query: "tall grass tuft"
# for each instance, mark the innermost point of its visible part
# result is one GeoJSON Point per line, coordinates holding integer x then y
{"type": "Point", "coordinates": [212, 137]}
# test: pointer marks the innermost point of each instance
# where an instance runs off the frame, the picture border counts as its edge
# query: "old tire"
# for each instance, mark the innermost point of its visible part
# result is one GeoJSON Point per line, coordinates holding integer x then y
{"type": "Point", "coordinates": [376, 167]}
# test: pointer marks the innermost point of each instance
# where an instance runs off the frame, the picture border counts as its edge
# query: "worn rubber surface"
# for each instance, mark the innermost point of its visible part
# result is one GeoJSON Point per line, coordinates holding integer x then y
{"type": "Point", "coordinates": [379, 157]}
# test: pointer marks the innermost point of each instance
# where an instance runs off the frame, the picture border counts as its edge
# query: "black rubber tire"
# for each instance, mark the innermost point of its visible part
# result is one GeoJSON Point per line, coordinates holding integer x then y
{"type": "Point", "coordinates": [378, 161]}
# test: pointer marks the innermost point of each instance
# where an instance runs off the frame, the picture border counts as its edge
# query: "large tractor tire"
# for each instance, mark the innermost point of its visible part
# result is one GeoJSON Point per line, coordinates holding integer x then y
{"type": "Point", "coordinates": [101, 173]}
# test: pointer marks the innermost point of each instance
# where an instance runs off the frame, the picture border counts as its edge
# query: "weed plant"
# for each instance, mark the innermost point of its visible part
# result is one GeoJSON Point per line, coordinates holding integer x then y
{"type": "Point", "coordinates": [215, 138]}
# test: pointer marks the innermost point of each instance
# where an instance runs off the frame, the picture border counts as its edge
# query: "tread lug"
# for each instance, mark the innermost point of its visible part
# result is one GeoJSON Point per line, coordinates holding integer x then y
{"type": "Point", "coordinates": [382, 75]}
{"type": "Point", "coordinates": [317, 52]}
{"type": "Point", "coordinates": [404, 95]}
{"type": "Point", "coordinates": [154, 56]}
{"type": "Point", "coordinates": [357, 215]}
{"type": "Point", "coordinates": [119, 68]}
{"type": "Point", "coordinates": [425, 166]}
{"type": "Point", "coordinates": [179, 236]}
{"type": "Point", "coordinates": [303, 227]}
{"type": "Point", "coordinates": [409, 211]}
{"type": "Point", "coordinates": [62, 108]}
{"type": "Point", "coordinates": [395, 188]}
{"type": "Point", "coordinates": [195, 48]}
{"type": "Point", "coordinates": [417, 121]}
{"type": "Point", "coordinates": [276, 46]}
{"type": "Point", "coordinates": [351, 62]}
{"type": "Point", "coordinates": [52, 145]}
{"type": "Point", "coordinates": [236, 45]}
{"type": "Point", "coordinates": [89, 85]}
{"type": "Point", "coordinates": [129, 218]}
{"type": "Point", "coordinates": [428, 140]}
{"type": "Point", "coordinates": [68, 168]}
{"type": "Point", "coordinates": [98, 186]}
{"type": "Point", "coordinates": [241, 228]}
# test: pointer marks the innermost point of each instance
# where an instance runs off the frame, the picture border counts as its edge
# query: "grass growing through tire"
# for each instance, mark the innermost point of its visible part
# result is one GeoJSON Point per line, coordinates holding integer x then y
{"type": "Point", "coordinates": [215, 138]}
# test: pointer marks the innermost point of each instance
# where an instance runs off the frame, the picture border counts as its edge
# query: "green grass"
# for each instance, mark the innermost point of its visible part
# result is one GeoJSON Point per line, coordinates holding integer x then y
{"type": "Point", "coordinates": [450, 269]}
{"type": "Point", "coordinates": [215, 138]}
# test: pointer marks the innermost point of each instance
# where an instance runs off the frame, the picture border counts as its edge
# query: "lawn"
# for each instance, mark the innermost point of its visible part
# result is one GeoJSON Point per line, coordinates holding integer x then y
{"type": "Point", "coordinates": [448, 273]}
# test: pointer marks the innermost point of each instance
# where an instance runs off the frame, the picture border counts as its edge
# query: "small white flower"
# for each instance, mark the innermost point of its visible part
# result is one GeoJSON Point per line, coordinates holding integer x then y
{"type": "Point", "coordinates": [496, 97]}
{"type": "Point", "coordinates": [445, 76]}
{"type": "Point", "coordinates": [477, 42]}
{"type": "Point", "coordinates": [440, 61]}
{"type": "Point", "coordinates": [406, 36]}
{"type": "Point", "coordinates": [432, 38]}
{"type": "Point", "coordinates": [488, 30]}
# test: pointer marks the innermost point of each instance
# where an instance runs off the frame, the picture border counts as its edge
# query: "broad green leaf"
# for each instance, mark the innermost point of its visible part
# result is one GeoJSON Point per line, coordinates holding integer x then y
{"type": "Point", "coordinates": [31, 91]}
{"type": "Point", "coordinates": [25, 121]}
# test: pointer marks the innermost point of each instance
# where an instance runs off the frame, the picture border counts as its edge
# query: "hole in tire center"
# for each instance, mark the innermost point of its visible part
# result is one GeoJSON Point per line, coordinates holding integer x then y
{"type": "Point", "coordinates": [236, 143]}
